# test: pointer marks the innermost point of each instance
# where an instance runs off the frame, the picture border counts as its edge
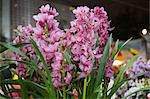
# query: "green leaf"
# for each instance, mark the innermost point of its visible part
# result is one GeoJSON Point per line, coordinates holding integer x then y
{"type": "Point", "coordinates": [123, 45]}
{"type": "Point", "coordinates": [37, 88]}
{"type": "Point", "coordinates": [116, 87]}
{"type": "Point", "coordinates": [27, 63]}
{"type": "Point", "coordinates": [138, 90]}
{"type": "Point", "coordinates": [3, 48]}
{"type": "Point", "coordinates": [35, 84]}
{"type": "Point", "coordinates": [13, 48]}
{"type": "Point", "coordinates": [31, 65]}
{"type": "Point", "coordinates": [103, 61]}
{"type": "Point", "coordinates": [3, 87]}
{"type": "Point", "coordinates": [9, 81]}
{"type": "Point", "coordinates": [124, 68]}
{"type": "Point", "coordinates": [24, 90]}
{"type": "Point", "coordinates": [114, 53]}
{"type": "Point", "coordinates": [118, 47]}
{"type": "Point", "coordinates": [38, 52]}
{"type": "Point", "coordinates": [2, 68]}
{"type": "Point", "coordinates": [67, 57]}
{"type": "Point", "coordinates": [96, 45]}
{"type": "Point", "coordinates": [50, 86]}
{"type": "Point", "coordinates": [27, 85]}
{"type": "Point", "coordinates": [32, 70]}
{"type": "Point", "coordinates": [119, 80]}
{"type": "Point", "coordinates": [24, 94]}
{"type": "Point", "coordinates": [36, 95]}
{"type": "Point", "coordinates": [3, 96]}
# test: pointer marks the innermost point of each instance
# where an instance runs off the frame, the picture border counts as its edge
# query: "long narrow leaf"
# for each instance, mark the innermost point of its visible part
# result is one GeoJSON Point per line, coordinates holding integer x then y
{"type": "Point", "coordinates": [36, 95]}
{"type": "Point", "coordinates": [96, 45]}
{"type": "Point", "coordinates": [28, 85]}
{"type": "Point", "coordinates": [38, 88]}
{"type": "Point", "coordinates": [9, 81]}
{"type": "Point", "coordinates": [118, 48]}
{"type": "Point", "coordinates": [24, 90]}
{"type": "Point", "coordinates": [103, 61]}
{"type": "Point", "coordinates": [38, 52]}
{"type": "Point", "coordinates": [141, 89]}
{"type": "Point", "coordinates": [51, 90]}
{"type": "Point", "coordinates": [3, 48]}
{"type": "Point", "coordinates": [119, 79]}
{"type": "Point", "coordinates": [3, 88]}
{"type": "Point", "coordinates": [2, 68]}
{"type": "Point", "coordinates": [35, 84]}
{"type": "Point", "coordinates": [3, 96]}
{"type": "Point", "coordinates": [10, 60]}
{"type": "Point", "coordinates": [90, 87]}
{"type": "Point", "coordinates": [124, 68]}
{"type": "Point", "coordinates": [125, 43]}
{"type": "Point", "coordinates": [115, 49]}
{"type": "Point", "coordinates": [116, 87]}
{"type": "Point", "coordinates": [29, 64]}
{"type": "Point", "coordinates": [67, 57]}
{"type": "Point", "coordinates": [14, 49]}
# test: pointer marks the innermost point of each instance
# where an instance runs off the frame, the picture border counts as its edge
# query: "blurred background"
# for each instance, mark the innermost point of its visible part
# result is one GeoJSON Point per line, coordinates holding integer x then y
{"type": "Point", "coordinates": [129, 17]}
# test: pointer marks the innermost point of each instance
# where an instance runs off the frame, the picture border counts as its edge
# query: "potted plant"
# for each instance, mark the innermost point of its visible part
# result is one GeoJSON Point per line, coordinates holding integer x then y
{"type": "Point", "coordinates": [65, 64]}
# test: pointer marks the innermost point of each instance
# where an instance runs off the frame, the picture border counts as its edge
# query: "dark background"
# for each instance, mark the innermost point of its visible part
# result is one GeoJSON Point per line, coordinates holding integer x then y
{"type": "Point", "coordinates": [128, 17]}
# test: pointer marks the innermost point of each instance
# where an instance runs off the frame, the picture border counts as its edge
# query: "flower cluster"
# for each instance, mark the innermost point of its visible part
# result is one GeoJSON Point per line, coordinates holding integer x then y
{"type": "Point", "coordinates": [140, 66]}
{"type": "Point", "coordinates": [24, 34]}
{"type": "Point", "coordinates": [49, 39]}
{"type": "Point", "coordinates": [87, 37]}
{"type": "Point", "coordinates": [46, 33]}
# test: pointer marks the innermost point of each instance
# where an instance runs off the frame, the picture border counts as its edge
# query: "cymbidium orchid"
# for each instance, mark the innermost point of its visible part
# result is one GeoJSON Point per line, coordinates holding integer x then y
{"type": "Point", "coordinates": [24, 35]}
{"type": "Point", "coordinates": [89, 27]}
{"type": "Point", "coordinates": [63, 61]}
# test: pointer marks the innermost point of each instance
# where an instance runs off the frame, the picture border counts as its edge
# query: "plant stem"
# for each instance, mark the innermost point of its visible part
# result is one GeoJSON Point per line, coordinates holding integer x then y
{"type": "Point", "coordinates": [84, 88]}
{"type": "Point", "coordinates": [64, 93]}
{"type": "Point", "coordinates": [63, 73]}
{"type": "Point", "coordinates": [57, 95]}
{"type": "Point", "coordinates": [105, 89]}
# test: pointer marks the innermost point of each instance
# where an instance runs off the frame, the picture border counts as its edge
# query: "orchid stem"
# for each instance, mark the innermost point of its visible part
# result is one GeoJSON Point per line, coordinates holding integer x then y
{"type": "Point", "coordinates": [105, 88]}
{"type": "Point", "coordinates": [63, 73]}
{"type": "Point", "coordinates": [84, 88]}
{"type": "Point", "coordinates": [64, 93]}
